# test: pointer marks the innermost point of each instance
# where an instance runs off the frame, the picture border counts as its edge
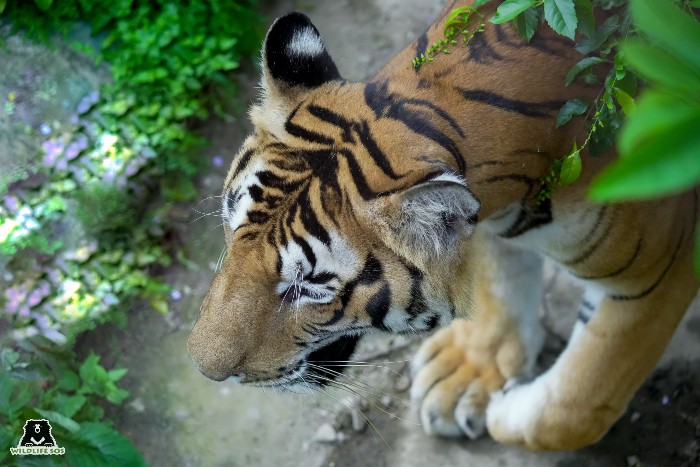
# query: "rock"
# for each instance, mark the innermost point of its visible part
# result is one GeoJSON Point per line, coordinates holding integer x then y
{"type": "Point", "coordinates": [635, 417]}
{"type": "Point", "coordinates": [402, 383]}
{"type": "Point", "coordinates": [326, 434]}
{"type": "Point", "coordinates": [343, 418]}
{"type": "Point", "coordinates": [387, 400]}
{"type": "Point", "coordinates": [359, 424]}
{"type": "Point", "coordinates": [137, 405]}
{"type": "Point", "coordinates": [633, 461]}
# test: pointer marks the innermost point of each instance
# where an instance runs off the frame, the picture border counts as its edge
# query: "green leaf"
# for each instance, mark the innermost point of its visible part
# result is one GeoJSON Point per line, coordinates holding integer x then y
{"type": "Point", "coordinates": [43, 5]}
{"type": "Point", "coordinates": [68, 405]}
{"type": "Point", "coordinates": [625, 101]}
{"type": "Point", "coordinates": [663, 165]}
{"type": "Point", "coordinates": [601, 34]}
{"type": "Point", "coordinates": [664, 22]}
{"type": "Point", "coordinates": [527, 23]}
{"type": "Point", "coordinates": [117, 373]}
{"type": "Point", "coordinates": [657, 113]}
{"type": "Point", "coordinates": [99, 444]}
{"type": "Point", "coordinates": [478, 3]}
{"type": "Point", "coordinates": [580, 66]}
{"type": "Point", "coordinates": [659, 66]}
{"type": "Point", "coordinates": [586, 20]}
{"type": "Point", "coordinates": [561, 16]}
{"type": "Point", "coordinates": [510, 9]}
{"type": "Point", "coordinates": [571, 167]}
{"type": "Point", "coordinates": [3, 4]}
{"type": "Point", "coordinates": [55, 417]}
{"type": "Point", "coordinates": [68, 381]}
{"type": "Point", "coordinates": [14, 396]}
{"type": "Point", "coordinates": [159, 304]}
{"type": "Point", "coordinates": [569, 109]}
{"type": "Point", "coordinates": [116, 395]}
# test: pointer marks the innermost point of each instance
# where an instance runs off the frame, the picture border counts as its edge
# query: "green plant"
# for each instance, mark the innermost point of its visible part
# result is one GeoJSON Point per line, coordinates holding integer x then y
{"type": "Point", "coordinates": [40, 382]}
{"type": "Point", "coordinates": [88, 232]}
{"type": "Point", "coordinates": [456, 25]}
{"type": "Point", "coordinates": [655, 40]}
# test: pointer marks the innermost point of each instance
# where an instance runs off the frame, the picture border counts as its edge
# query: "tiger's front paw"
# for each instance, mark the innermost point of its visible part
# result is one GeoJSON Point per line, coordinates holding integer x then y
{"type": "Point", "coordinates": [540, 416]}
{"type": "Point", "coordinates": [454, 373]}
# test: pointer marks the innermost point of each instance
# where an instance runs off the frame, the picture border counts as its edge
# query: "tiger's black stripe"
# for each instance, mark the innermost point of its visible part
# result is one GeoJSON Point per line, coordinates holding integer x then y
{"type": "Point", "coordinates": [377, 155]}
{"type": "Point", "coordinates": [304, 133]}
{"type": "Point", "coordinates": [242, 163]}
{"type": "Point", "coordinates": [417, 305]}
{"type": "Point", "coordinates": [653, 286]}
{"type": "Point", "coordinates": [386, 104]}
{"type": "Point", "coordinates": [529, 219]}
{"type": "Point", "coordinates": [482, 52]}
{"type": "Point", "coordinates": [439, 111]}
{"type": "Point", "coordinates": [421, 46]}
{"type": "Point", "coordinates": [358, 178]}
{"type": "Point", "coordinates": [378, 306]}
{"type": "Point", "coordinates": [310, 221]}
{"type": "Point", "coordinates": [543, 109]}
{"type": "Point", "coordinates": [335, 119]}
{"type": "Point", "coordinates": [619, 270]}
{"type": "Point", "coordinates": [596, 244]}
{"type": "Point", "coordinates": [585, 312]}
{"type": "Point", "coordinates": [305, 248]}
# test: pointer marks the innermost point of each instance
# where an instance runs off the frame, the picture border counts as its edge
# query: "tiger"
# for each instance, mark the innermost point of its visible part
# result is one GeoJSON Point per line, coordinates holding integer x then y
{"type": "Point", "coordinates": [408, 204]}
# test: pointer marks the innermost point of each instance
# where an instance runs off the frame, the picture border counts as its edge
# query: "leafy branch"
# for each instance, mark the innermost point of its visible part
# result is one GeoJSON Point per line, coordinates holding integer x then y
{"type": "Point", "coordinates": [659, 141]}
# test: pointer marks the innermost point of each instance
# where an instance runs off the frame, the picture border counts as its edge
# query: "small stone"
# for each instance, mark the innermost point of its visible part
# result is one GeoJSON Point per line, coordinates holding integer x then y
{"type": "Point", "coordinates": [633, 461]}
{"type": "Point", "coordinates": [402, 383]}
{"type": "Point", "coordinates": [359, 424]}
{"type": "Point", "coordinates": [362, 404]}
{"type": "Point", "coordinates": [137, 405]}
{"type": "Point", "coordinates": [665, 400]}
{"type": "Point", "coordinates": [387, 400]}
{"type": "Point", "coordinates": [326, 434]}
{"type": "Point", "coordinates": [343, 418]}
{"type": "Point", "coordinates": [635, 417]}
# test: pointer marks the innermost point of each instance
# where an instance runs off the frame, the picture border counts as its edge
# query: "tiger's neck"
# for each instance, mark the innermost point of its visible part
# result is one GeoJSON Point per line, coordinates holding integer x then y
{"type": "Point", "coordinates": [482, 112]}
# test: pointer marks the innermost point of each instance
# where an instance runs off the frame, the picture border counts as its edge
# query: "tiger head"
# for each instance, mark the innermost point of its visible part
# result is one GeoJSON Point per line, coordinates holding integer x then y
{"type": "Point", "coordinates": [344, 214]}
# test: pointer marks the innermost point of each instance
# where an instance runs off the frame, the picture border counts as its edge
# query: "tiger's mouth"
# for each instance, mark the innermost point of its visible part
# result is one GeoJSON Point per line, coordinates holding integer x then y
{"type": "Point", "coordinates": [319, 369]}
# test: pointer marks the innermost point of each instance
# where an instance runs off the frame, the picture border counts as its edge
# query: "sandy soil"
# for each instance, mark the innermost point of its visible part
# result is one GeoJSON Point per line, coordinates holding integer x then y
{"type": "Point", "coordinates": [177, 417]}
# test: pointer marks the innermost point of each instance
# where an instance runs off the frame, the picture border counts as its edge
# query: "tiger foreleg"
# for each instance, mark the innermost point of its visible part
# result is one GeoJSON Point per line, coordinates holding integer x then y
{"type": "Point", "coordinates": [456, 370]}
{"type": "Point", "coordinates": [576, 401]}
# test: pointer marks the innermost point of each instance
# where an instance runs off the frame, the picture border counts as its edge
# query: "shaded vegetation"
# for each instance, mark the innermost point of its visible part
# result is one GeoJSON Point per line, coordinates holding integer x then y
{"type": "Point", "coordinates": [84, 229]}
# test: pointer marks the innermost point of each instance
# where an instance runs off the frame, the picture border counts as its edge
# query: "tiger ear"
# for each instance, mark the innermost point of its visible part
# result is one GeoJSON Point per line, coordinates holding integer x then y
{"type": "Point", "coordinates": [428, 220]}
{"type": "Point", "coordinates": [294, 55]}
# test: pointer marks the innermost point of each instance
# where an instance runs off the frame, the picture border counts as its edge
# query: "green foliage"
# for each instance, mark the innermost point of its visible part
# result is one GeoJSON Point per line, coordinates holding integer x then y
{"type": "Point", "coordinates": [37, 382]}
{"type": "Point", "coordinates": [457, 25]}
{"type": "Point", "coordinates": [105, 208]}
{"type": "Point", "coordinates": [509, 9]}
{"type": "Point", "coordinates": [659, 145]}
{"type": "Point", "coordinates": [85, 235]}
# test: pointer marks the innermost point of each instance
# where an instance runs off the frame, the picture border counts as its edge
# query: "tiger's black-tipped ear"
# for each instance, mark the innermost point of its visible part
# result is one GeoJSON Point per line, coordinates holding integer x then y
{"type": "Point", "coordinates": [294, 54]}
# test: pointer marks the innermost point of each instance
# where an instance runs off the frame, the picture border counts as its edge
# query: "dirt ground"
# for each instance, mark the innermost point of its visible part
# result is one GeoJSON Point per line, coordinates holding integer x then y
{"type": "Point", "coordinates": [177, 417]}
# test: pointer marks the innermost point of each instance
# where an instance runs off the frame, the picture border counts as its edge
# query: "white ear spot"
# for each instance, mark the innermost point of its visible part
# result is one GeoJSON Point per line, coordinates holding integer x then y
{"type": "Point", "coordinates": [305, 42]}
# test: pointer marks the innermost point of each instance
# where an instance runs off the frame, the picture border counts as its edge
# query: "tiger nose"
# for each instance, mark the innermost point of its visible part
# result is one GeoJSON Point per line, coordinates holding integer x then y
{"type": "Point", "coordinates": [216, 357]}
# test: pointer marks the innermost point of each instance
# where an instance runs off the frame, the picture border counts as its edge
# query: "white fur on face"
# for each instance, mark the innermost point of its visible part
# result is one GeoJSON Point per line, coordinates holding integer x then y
{"type": "Point", "coordinates": [305, 42]}
{"type": "Point", "coordinates": [337, 258]}
{"type": "Point", "coordinates": [243, 200]}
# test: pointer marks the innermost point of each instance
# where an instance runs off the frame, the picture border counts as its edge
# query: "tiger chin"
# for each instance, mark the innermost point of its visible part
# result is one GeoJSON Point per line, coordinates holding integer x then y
{"type": "Point", "coordinates": [408, 203]}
